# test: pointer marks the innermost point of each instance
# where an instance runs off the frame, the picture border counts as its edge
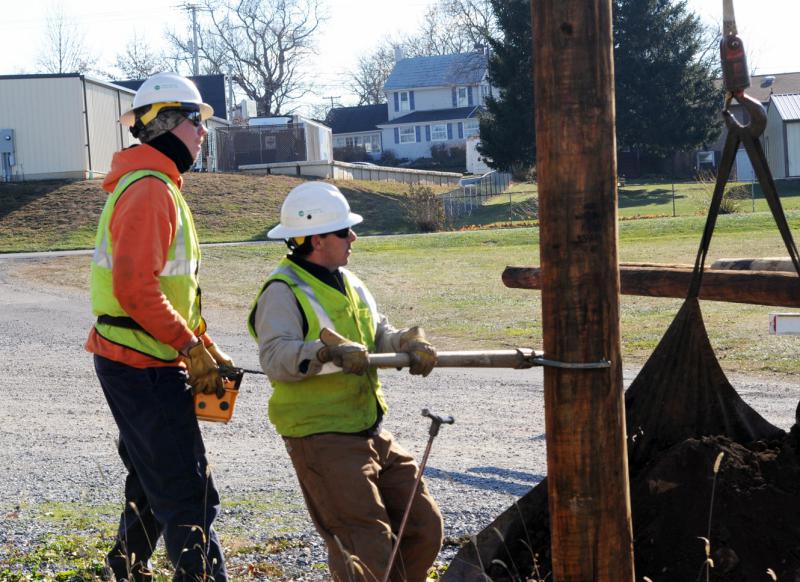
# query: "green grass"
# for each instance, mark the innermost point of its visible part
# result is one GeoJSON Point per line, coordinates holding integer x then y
{"type": "Point", "coordinates": [646, 200]}
{"type": "Point", "coordinates": [55, 215]}
{"type": "Point", "coordinates": [451, 284]}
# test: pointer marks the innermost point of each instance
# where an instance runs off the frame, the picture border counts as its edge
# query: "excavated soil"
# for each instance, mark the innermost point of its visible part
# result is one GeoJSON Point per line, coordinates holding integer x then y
{"type": "Point", "coordinates": [754, 525]}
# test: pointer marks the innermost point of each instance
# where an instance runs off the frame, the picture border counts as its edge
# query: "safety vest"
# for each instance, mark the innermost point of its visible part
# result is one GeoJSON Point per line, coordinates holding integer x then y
{"type": "Point", "coordinates": [178, 278]}
{"type": "Point", "coordinates": [330, 401]}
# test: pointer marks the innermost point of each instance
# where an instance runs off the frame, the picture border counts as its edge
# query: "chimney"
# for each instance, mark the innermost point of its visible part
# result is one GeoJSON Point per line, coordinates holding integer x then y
{"type": "Point", "coordinates": [398, 53]}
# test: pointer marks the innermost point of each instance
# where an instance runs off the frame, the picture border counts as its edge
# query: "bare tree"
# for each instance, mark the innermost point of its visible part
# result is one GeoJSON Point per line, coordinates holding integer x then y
{"type": "Point", "coordinates": [475, 17]}
{"type": "Point", "coordinates": [261, 44]}
{"type": "Point", "coordinates": [64, 48]}
{"type": "Point", "coordinates": [138, 61]}
{"type": "Point", "coordinates": [453, 26]}
{"type": "Point", "coordinates": [370, 75]}
{"type": "Point", "coordinates": [449, 26]}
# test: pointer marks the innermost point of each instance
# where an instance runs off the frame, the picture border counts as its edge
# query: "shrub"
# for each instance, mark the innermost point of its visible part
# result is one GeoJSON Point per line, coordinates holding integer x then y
{"type": "Point", "coordinates": [425, 209]}
{"type": "Point", "coordinates": [740, 192]}
{"type": "Point", "coordinates": [731, 198]}
{"type": "Point", "coordinates": [351, 154]}
{"type": "Point", "coordinates": [388, 158]}
{"type": "Point", "coordinates": [522, 173]}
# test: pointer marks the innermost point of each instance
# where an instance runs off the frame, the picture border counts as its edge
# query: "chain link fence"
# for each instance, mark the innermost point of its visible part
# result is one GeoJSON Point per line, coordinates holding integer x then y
{"type": "Point", "coordinates": [260, 144]}
{"type": "Point", "coordinates": [474, 192]}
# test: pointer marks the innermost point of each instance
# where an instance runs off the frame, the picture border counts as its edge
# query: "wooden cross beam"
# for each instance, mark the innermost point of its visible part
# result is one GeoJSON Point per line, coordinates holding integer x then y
{"type": "Point", "coordinates": [776, 288]}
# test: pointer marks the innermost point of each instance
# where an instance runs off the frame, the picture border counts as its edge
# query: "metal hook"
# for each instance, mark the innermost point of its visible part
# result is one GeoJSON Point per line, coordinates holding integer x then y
{"type": "Point", "coordinates": [756, 112]}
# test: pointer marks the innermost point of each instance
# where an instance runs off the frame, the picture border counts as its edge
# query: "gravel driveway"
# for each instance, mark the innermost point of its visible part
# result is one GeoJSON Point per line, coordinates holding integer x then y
{"type": "Point", "coordinates": [57, 436]}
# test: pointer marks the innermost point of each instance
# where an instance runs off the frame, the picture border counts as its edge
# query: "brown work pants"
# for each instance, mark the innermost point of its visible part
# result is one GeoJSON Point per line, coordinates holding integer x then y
{"type": "Point", "coordinates": [356, 489]}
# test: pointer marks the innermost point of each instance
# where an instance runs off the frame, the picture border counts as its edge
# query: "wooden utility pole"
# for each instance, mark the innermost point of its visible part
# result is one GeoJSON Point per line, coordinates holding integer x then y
{"type": "Point", "coordinates": [587, 466]}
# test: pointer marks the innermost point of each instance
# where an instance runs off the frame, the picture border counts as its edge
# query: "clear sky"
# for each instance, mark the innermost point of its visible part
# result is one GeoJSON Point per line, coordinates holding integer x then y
{"type": "Point", "coordinates": [767, 27]}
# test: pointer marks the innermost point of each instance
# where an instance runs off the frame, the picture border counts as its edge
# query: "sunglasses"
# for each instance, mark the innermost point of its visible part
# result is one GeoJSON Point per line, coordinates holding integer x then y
{"type": "Point", "coordinates": [342, 233]}
{"type": "Point", "coordinates": [194, 116]}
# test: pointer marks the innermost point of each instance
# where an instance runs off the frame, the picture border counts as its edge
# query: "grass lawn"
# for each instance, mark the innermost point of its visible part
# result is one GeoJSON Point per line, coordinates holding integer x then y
{"type": "Point", "coordinates": [645, 200]}
{"type": "Point", "coordinates": [54, 215]}
{"type": "Point", "coordinates": [450, 281]}
{"type": "Point", "coordinates": [451, 284]}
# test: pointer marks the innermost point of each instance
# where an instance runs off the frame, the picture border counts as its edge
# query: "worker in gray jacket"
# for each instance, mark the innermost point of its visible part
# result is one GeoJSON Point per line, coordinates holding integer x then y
{"type": "Point", "coordinates": [327, 402]}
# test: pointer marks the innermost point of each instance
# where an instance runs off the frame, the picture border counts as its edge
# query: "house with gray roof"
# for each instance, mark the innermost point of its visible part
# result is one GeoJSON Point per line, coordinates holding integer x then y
{"type": "Point", "coordinates": [434, 100]}
{"type": "Point", "coordinates": [431, 101]}
{"type": "Point", "coordinates": [357, 127]}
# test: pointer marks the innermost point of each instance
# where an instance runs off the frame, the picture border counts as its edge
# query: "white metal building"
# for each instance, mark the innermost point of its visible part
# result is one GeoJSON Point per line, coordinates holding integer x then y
{"type": "Point", "coordinates": [782, 136]}
{"type": "Point", "coordinates": [60, 126]}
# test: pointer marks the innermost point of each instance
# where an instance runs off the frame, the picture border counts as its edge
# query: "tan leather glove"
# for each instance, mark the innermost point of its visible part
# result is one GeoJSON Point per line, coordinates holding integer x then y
{"type": "Point", "coordinates": [421, 352]}
{"type": "Point", "coordinates": [350, 356]}
{"type": "Point", "coordinates": [203, 371]}
{"type": "Point", "coordinates": [220, 357]}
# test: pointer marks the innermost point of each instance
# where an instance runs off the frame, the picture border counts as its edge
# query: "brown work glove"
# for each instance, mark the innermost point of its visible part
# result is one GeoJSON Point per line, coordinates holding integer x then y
{"type": "Point", "coordinates": [220, 357]}
{"type": "Point", "coordinates": [203, 371]}
{"type": "Point", "coordinates": [419, 349]}
{"type": "Point", "coordinates": [350, 356]}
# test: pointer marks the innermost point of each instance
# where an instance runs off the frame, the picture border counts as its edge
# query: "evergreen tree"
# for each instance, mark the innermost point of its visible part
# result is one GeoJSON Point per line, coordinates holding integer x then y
{"type": "Point", "coordinates": [507, 129]}
{"type": "Point", "coordinates": [665, 96]}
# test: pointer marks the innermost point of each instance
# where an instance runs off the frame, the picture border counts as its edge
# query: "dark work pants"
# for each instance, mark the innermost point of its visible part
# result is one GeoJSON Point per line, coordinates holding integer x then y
{"type": "Point", "coordinates": [169, 490]}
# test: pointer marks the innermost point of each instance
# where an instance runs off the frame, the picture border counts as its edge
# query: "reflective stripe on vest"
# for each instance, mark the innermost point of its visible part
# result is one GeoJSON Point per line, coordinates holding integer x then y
{"type": "Point", "coordinates": [322, 316]}
{"type": "Point", "coordinates": [335, 402]}
{"type": "Point", "coordinates": [177, 280]}
{"type": "Point", "coordinates": [180, 264]}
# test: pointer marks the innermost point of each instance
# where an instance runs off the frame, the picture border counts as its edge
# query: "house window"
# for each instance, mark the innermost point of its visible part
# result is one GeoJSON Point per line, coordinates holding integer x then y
{"type": "Point", "coordinates": [372, 143]}
{"type": "Point", "coordinates": [471, 127]}
{"type": "Point", "coordinates": [339, 142]}
{"type": "Point", "coordinates": [405, 101]}
{"type": "Point", "coordinates": [486, 90]}
{"type": "Point", "coordinates": [439, 132]}
{"type": "Point", "coordinates": [408, 135]}
{"type": "Point", "coordinates": [463, 97]}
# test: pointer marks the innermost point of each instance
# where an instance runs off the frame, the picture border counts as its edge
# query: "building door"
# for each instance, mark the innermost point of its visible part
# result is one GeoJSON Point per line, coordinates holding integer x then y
{"type": "Point", "coordinates": [744, 169]}
{"type": "Point", "coordinates": [793, 148]}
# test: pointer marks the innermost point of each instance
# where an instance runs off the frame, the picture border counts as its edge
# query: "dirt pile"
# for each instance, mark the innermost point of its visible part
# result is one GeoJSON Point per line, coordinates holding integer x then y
{"type": "Point", "coordinates": [754, 518]}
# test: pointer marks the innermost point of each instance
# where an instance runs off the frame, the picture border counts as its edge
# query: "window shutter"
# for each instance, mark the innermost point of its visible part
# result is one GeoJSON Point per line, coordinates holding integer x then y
{"type": "Point", "coordinates": [396, 101]}
{"type": "Point", "coordinates": [416, 133]}
{"type": "Point", "coordinates": [460, 130]}
{"type": "Point", "coordinates": [396, 133]}
{"type": "Point", "coordinates": [427, 133]}
{"type": "Point", "coordinates": [455, 97]}
{"type": "Point", "coordinates": [449, 131]}
{"type": "Point", "coordinates": [469, 95]}
{"type": "Point", "coordinates": [411, 99]}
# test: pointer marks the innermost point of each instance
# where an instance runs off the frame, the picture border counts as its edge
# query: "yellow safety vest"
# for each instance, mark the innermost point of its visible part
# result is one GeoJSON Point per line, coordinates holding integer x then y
{"type": "Point", "coordinates": [178, 278]}
{"type": "Point", "coordinates": [330, 401]}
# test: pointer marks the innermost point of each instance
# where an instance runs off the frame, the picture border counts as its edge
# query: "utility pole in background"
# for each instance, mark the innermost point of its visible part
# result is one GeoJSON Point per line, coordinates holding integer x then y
{"type": "Point", "coordinates": [231, 104]}
{"type": "Point", "coordinates": [587, 461]}
{"type": "Point", "coordinates": [332, 97]}
{"type": "Point", "coordinates": [195, 53]}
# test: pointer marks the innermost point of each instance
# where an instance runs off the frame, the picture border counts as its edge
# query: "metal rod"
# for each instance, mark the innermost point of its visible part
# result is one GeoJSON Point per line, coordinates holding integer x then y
{"type": "Point", "coordinates": [520, 358]}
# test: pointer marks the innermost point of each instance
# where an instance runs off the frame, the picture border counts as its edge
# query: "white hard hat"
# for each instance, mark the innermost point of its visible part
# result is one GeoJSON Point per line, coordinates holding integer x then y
{"type": "Point", "coordinates": [166, 88]}
{"type": "Point", "coordinates": [314, 208]}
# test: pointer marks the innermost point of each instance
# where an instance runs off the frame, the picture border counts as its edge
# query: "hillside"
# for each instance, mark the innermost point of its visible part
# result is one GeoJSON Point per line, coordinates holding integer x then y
{"type": "Point", "coordinates": [62, 214]}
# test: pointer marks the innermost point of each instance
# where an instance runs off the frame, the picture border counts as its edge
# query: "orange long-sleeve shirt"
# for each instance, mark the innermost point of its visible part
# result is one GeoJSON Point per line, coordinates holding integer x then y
{"type": "Point", "coordinates": [142, 228]}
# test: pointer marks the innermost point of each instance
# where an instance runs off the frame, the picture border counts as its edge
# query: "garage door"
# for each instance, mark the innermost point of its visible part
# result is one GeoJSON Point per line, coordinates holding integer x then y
{"type": "Point", "coordinates": [793, 148]}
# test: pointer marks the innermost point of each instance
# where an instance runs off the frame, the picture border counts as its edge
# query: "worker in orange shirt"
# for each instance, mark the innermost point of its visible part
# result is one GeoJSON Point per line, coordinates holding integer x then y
{"type": "Point", "coordinates": [151, 352]}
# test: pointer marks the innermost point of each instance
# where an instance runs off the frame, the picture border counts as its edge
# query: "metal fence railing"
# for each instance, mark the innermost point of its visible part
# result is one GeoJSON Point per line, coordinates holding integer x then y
{"type": "Point", "coordinates": [474, 192]}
